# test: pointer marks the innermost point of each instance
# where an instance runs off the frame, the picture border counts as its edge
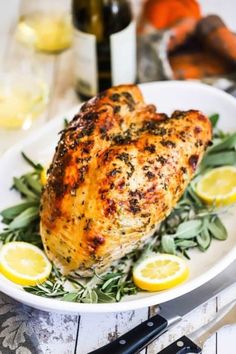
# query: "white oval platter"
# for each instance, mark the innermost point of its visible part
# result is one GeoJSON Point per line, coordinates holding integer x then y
{"type": "Point", "coordinates": [167, 96]}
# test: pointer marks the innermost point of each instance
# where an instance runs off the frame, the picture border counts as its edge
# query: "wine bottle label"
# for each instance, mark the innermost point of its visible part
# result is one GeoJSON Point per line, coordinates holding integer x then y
{"type": "Point", "coordinates": [123, 56]}
{"type": "Point", "coordinates": [122, 59]}
{"type": "Point", "coordinates": [86, 63]}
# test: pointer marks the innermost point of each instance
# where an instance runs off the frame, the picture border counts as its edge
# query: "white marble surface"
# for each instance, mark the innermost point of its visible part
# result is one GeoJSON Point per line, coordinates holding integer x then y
{"type": "Point", "coordinates": [57, 333]}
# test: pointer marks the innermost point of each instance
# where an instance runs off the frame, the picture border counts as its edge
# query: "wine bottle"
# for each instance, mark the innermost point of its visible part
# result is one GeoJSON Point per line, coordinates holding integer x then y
{"type": "Point", "coordinates": [105, 45]}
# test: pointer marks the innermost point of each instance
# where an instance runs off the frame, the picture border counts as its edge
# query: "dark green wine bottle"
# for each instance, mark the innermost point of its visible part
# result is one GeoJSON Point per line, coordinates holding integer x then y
{"type": "Point", "coordinates": [105, 45]}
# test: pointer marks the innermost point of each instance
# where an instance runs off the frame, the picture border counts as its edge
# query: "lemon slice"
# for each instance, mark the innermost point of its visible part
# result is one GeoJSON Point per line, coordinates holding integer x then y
{"type": "Point", "coordinates": [218, 186]}
{"type": "Point", "coordinates": [24, 264]}
{"type": "Point", "coordinates": [160, 272]}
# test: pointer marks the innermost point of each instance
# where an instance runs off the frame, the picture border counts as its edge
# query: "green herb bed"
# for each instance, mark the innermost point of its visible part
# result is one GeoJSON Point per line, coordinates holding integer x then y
{"type": "Point", "coordinates": [191, 224]}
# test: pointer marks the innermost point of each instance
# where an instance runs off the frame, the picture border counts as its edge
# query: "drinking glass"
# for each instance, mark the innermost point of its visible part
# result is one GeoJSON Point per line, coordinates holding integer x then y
{"type": "Point", "coordinates": [45, 25]}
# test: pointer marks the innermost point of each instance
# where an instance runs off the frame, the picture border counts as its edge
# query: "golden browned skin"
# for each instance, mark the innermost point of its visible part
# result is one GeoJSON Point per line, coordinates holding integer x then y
{"type": "Point", "coordinates": [118, 170]}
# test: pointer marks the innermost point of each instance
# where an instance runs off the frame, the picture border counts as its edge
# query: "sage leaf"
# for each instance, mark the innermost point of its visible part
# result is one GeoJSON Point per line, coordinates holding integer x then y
{"type": "Point", "coordinates": [217, 229]}
{"type": "Point", "coordinates": [204, 239]}
{"type": "Point", "coordinates": [23, 189]}
{"type": "Point", "coordinates": [227, 144]}
{"type": "Point", "coordinates": [103, 297]}
{"type": "Point", "coordinates": [189, 229]}
{"type": "Point", "coordinates": [91, 297]}
{"type": "Point", "coordinates": [94, 297]}
{"type": "Point", "coordinates": [31, 237]}
{"type": "Point", "coordinates": [109, 283]}
{"type": "Point", "coordinates": [220, 158]}
{"type": "Point", "coordinates": [168, 244]}
{"type": "Point", "coordinates": [4, 235]}
{"type": "Point", "coordinates": [185, 244]}
{"type": "Point", "coordinates": [12, 212]}
{"type": "Point", "coordinates": [214, 118]}
{"type": "Point", "coordinates": [118, 295]}
{"type": "Point", "coordinates": [70, 297]}
{"type": "Point", "coordinates": [34, 184]}
{"type": "Point", "coordinates": [25, 218]}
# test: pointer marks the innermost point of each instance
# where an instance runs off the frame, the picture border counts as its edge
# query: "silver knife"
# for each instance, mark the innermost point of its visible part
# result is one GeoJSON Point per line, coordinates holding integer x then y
{"type": "Point", "coordinates": [169, 314]}
{"type": "Point", "coordinates": [196, 340]}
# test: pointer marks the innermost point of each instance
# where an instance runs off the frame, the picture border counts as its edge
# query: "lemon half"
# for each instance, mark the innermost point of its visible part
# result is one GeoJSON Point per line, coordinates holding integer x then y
{"type": "Point", "coordinates": [218, 186]}
{"type": "Point", "coordinates": [24, 264]}
{"type": "Point", "coordinates": [160, 272]}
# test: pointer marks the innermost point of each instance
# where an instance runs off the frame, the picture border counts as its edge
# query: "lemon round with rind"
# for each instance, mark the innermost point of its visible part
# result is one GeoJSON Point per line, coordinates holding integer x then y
{"type": "Point", "coordinates": [160, 272]}
{"type": "Point", "coordinates": [24, 263]}
{"type": "Point", "coordinates": [218, 186]}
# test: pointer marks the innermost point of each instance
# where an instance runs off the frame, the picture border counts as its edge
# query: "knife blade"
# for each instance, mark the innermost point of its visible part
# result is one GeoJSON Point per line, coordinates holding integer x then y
{"type": "Point", "coordinates": [196, 340]}
{"type": "Point", "coordinates": [169, 314]}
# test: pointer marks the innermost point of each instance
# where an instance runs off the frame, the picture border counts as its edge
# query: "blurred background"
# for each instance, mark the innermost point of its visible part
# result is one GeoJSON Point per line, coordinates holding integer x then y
{"type": "Point", "coordinates": [46, 62]}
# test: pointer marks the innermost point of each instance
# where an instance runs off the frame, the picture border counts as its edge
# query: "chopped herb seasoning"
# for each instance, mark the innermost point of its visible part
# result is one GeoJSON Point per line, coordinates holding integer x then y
{"type": "Point", "coordinates": [116, 109]}
{"type": "Point", "coordinates": [115, 97]}
{"type": "Point", "coordinates": [114, 172]}
{"type": "Point", "coordinates": [86, 131]}
{"type": "Point", "coordinates": [123, 157]}
{"type": "Point", "coordinates": [150, 175]}
{"type": "Point", "coordinates": [133, 205]}
{"type": "Point", "coordinates": [121, 139]}
{"type": "Point", "coordinates": [154, 127]}
{"type": "Point", "coordinates": [129, 100]}
{"type": "Point", "coordinates": [151, 148]}
{"type": "Point", "coordinates": [168, 143]}
{"type": "Point", "coordinates": [136, 193]}
{"type": "Point", "coordinates": [87, 225]}
{"type": "Point", "coordinates": [179, 114]}
{"type": "Point", "coordinates": [162, 160]}
{"type": "Point", "coordinates": [68, 259]}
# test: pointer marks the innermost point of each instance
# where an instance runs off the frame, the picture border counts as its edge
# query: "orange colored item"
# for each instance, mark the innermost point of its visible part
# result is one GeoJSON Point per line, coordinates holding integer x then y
{"type": "Point", "coordinates": [198, 65]}
{"type": "Point", "coordinates": [212, 31]}
{"type": "Point", "coordinates": [164, 14]}
{"type": "Point", "coordinates": [181, 32]}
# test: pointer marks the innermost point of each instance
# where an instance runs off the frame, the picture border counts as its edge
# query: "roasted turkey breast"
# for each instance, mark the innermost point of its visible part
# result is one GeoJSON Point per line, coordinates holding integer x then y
{"type": "Point", "coordinates": [118, 170]}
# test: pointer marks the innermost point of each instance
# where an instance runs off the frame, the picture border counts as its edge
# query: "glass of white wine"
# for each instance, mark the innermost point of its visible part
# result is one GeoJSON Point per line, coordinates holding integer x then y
{"type": "Point", "coordinates": [45, 25]}
{"type": "Point", "coordinates": [22, 99]}
{"type": "Point", "coordinates": [24, 89]}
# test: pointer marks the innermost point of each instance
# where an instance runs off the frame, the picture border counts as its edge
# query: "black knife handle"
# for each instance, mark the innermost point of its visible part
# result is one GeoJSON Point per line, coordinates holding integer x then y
{"type": "Point", "coordinates": [135, 340]}
{"type": "Point", "coordinates": [182, 345]}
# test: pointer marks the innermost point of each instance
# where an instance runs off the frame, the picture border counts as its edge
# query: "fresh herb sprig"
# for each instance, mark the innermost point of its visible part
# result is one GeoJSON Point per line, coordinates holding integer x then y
{"type": "Point", "coordinates": [108, 287]}
{"type": "Point", "coordinates": [191, 224]}
{"type": "Point", "coordinates": [223, 150]}
{"type": "Point", "coordinates": [22, 220]}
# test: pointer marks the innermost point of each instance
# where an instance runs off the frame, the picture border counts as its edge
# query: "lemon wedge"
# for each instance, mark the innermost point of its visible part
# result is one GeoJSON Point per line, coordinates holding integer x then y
{"type": "Point", "coordinates": [218, 186]}
{"type": "Point", "coordinates": [24, 264]}
{"type": "Point", "coordinates": [160, 272]}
